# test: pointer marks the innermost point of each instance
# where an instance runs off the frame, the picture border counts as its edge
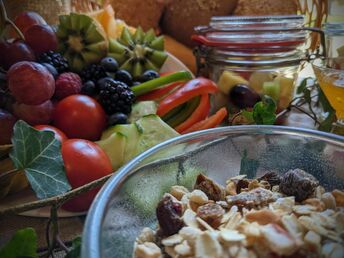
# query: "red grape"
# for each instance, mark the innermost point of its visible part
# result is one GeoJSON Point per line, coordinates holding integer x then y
{"type": "Point", "coordinates": [14, 52]}
{"type": "Point", "coordinates": [41, 38]}
{"type": "Point", "coordinates": [7, 121]}
{"type": "Point", "coordinates": [30, 83]}
{"type": "Point", "coordinates": [27, 19]}
{"type": "Point", "coordinates": [34, 114]}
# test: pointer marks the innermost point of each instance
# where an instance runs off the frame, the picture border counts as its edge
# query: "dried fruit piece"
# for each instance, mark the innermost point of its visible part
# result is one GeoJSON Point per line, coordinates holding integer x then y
{"type": "Point", "coordinates": [169, 212]}
{"type": "Point", "coordinates": [298, 183]}
{"type": "Point", "coordinates": [272, 177]}
{"type": "Point", "coordinates": [254, 198]}
{"type": "Point", "coordinates": [211, 213]}
{"type": "Point", "coordinates": [213, 190]}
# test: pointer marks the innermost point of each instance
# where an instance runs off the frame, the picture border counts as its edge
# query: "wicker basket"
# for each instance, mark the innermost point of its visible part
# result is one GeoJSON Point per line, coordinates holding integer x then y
{"type": "Point", "coordinates": [48, 9]}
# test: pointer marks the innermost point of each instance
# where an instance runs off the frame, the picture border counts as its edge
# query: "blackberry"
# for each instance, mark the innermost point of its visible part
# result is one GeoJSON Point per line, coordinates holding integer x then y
{"type": "Point", "coordinates": [93, 72]}
{"type": "Point", "coordinates": [116, 97]}
{"type": "Point", "coordinates": [55, 59]}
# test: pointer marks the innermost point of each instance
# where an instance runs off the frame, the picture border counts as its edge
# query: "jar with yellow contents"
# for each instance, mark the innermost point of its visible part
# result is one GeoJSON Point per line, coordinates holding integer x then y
{"type": "Point", "coordinates": [250, 57]}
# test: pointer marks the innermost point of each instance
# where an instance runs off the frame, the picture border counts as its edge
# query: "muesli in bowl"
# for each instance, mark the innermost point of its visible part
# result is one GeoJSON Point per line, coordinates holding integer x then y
{"type": "Point", "coordinates": [271, 216]}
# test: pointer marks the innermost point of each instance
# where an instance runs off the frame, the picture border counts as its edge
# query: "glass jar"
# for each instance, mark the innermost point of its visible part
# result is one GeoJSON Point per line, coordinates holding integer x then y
{"type": "Point", "coordinates": [334, 36]}
{"type": "Point", "coordinates": [263, 53]}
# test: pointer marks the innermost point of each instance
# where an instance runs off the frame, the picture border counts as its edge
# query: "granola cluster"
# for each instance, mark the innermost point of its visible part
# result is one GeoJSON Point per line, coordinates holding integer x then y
{"type": "Point", "coordinates": [248, 218]}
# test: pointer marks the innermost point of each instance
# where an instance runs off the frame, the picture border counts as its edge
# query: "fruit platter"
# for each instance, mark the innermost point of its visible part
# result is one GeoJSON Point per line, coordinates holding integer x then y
{"type": "Point", "coordinates": [83, 97]}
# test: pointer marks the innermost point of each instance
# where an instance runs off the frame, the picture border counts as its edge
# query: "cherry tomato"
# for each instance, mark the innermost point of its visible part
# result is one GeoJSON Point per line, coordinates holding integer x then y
{"type": "Point", "coordinates": [84, 162]}
{"type": "Point", "coordinates": [59, 135]}
{"type": "Point", "coordinates": [80, 116]}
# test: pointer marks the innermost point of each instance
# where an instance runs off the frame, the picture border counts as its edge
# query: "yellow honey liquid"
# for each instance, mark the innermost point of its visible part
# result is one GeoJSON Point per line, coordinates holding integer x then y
{"type": "Point", "coordinates": [332, 84]}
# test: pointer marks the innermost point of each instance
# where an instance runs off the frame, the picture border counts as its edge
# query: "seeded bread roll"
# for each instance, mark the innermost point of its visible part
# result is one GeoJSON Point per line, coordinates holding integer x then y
{"type": "Point", "coordinates": [144, 13]}
{"type": "Point", "coordinates": [265, 7]}
{"type": "Point", "coordinates": [181, 16]}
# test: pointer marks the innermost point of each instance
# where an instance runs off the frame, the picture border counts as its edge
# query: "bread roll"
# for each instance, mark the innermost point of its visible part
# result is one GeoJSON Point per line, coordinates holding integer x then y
{"type": "Point", "coordinates": [144, 13]}
{"type": "Point", "coordinates": [181, 16]}
{"type": "Point", "coordinates": [265, 7]}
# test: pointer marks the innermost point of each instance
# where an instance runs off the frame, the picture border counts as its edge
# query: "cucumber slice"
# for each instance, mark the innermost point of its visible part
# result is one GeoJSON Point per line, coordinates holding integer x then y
{"type": "Point", "coordinates": [141, 109]}
{"type": "Point", "coordinates": [114, 146]}
{"type": "Point", "coordinates": [154, 130]}
{"type": "Point", "coordinates": [272, 89]}
{"type": "Point", "coordinates": [132, 134]}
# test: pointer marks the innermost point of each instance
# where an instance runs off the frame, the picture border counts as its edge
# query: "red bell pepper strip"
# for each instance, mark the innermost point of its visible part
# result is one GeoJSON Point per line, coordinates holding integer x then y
{"type": "Point", "coordinates": [209, 122]}
{"type": "Point", "coordinates": [191, 89]}
{"type": "Point", "coordinates": [200, 113]}
{"type": "Point", "coordinates": [160, 92]}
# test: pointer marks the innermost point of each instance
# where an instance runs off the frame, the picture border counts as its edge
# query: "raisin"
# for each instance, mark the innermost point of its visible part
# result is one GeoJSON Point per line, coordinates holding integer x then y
{"type": "Point", "coordinates": [213, 190]}
{"type": "Point", "coordinates": [272, 177]}
{"type": "Point", "coordinates": [211, 213]}
{"type": "Point", "coordinates": [298, 183]}
{"type": "Point", "coordinates": [169, 212]}
{"type": "Point", "coordinates": [242, 184]}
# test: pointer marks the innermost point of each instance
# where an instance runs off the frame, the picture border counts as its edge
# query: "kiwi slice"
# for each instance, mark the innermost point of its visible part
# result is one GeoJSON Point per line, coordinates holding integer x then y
{"type": "Point", "coordinates": [139, 51]}
{"type": "Point", "coordinates": [82, 40]}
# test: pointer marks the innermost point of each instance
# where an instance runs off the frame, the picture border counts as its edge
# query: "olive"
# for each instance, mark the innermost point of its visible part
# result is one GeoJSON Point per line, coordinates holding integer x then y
{"type": "Point", "coordinates": [243, 96]}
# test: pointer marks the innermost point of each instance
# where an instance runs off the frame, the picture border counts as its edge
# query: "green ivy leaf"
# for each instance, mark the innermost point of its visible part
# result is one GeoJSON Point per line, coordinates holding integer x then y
{"type": "Point", "coordinates": [22, 244]}
{"type": "Point", "coordinates": [75, 252]}
{"type": "Point", "coordinates": [39, 154]}
{"type": "Point", "coordinates": [248, 166]}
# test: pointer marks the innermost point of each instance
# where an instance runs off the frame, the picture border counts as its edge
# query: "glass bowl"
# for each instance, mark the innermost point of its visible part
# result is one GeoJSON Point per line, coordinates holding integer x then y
{"type": "Point", "coordinates": [127, 202]}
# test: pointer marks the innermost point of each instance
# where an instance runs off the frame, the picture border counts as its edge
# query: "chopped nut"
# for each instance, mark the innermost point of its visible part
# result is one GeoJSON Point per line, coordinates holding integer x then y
{"type": "Point", "coordinates": [325, 221]}
{"type": "Point", "coordinates": [285, 204]}
{"type": "Point", "coordinates": [170, 251]}
{"type": "Point", "coordinates": [231, 235]}
{"type": "Point", "coordinates": [204, 224]}
{"type": "Point", "coordinates": [294, 227]}
{"type": "Point", "coordinates": [213, 190]}
{"type": "Point", "coordinates": [178, 191]}
{"type": "Point", "coordinates": [183, 249]}
{"type": "Point", "coordinates": [147, 250]}
{"type": "Point", "coordinates": [313, 238]}
{"type": "Point", "coordinates": [211, 213]}
{"type": "Point", "coordinates": [278, 240]}
{"type": "Point", "coordinates": [318, 204]}
{"type": "Point", "coordinates": [233, 250]}
{"type": "Point", "coordinates": [190, 234]}
{"type": "Point", "coordinates": [207, 246]}
{"type": "Point", "coordinates": [298, 183]}
{"type": "Point", "coordinates": [339, 217]}
{"type": "Point", "coordinates": [304, 209]}
{"type": "Point", "coordinates": [231, 188]}
{"type": "Point", "coordinates": [234, 221]}
{"type": "Point", "coordinates": [263, 217]}
{"type": "Point", "coordinates": [319, 191]}
{"type": "Point", "coordinates": [310, 224]}
{"type": "Point", "coordinates": [256, 197]}
{"type": "Point", "coordinates": [339, 196]}
{"type": "Point", "coordinates": [199, 197]}
{"type": "Point", "coordinates": [147, 235]}
{"type": "Point", "coordinates": [275, 188]}
{"type": "Point", "coordinates": [332, 250]}
{"type": "Point", "coordinates": [172, 240]}
{"type": "Point", "coordinates": [253, 184]}
{"type": "Point", "coordinates": [189, 218]}
{"type": "Point", "coordinates": [329, 201]}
